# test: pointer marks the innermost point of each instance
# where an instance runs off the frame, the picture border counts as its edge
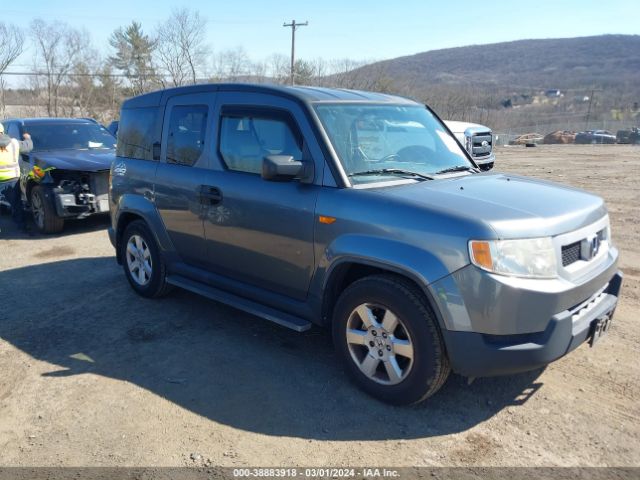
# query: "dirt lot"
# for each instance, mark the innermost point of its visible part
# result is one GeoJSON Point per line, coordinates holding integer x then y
{"type": "Point", "coordinates": [91, 374]}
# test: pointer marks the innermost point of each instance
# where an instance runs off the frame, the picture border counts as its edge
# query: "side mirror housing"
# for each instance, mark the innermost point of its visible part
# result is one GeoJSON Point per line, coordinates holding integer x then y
{"type": "Point", "coordinates": [282, 168]}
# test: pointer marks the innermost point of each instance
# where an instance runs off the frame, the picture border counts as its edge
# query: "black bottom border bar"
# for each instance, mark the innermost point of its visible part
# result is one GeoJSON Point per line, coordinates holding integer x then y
{"type": "Point", "coordinates": [210, 473]}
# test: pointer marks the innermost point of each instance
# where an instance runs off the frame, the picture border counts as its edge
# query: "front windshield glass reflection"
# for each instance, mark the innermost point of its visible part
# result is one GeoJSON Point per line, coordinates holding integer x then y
{"type": "Point", "coordinates": [373, 138]}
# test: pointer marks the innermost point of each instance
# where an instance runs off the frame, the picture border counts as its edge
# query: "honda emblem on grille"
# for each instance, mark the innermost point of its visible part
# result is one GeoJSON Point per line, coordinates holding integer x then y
{"type": "Point", "coordinates": [595, 245]}
{"type": "Point", "coordinates": [590, 247]}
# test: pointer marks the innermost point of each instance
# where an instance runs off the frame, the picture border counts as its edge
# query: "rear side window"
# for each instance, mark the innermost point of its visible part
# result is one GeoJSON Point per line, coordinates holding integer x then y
{"type": "Point", "coordinates": [187, 131]}
{"type": "Point", "coordinates": [245, 139]}
{"type": "Point", "coordinates": [13, 131]}
{"type": "Point", "coordinates": [136, 132]}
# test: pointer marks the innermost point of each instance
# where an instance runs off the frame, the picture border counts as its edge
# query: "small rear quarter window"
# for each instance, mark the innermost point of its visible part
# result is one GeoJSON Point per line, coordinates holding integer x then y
{"type": "Point", "coordinates": [136, 132]}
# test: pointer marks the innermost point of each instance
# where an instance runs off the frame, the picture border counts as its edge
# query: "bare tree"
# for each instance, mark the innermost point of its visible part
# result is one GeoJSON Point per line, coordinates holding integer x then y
{"type": "Point", "coordinates": [344, 73]}
{"type": "Point", "coordinates": [181, 45]}
{"type": "Point", "coordinates": [110, 94]}
{"type": "Point", "coordinates": [279, 68]}
{"type": "Point", "coordinates": [320, 69]}
{"type": "Point", "coordinates": [233, 64]}
{"type": "Point", "coordinates": [82, 90]}
{"type": "Point", "coordinates": [12, 42]}
{"type": "Point", "coordinates": [259, 72]}
{"type": "Point", "coordinates": [58, 49]}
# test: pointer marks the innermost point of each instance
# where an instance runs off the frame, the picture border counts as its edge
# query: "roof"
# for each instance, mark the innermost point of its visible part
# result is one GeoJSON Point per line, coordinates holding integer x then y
{"type": "Point", "coordinates": [299, 93]}
{"type": "Point", "coordinates": [50, 120]}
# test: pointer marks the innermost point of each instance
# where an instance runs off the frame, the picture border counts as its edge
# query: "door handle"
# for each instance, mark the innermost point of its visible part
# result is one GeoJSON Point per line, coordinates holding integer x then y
{"type": "Point", "coordinates": [210, 195]}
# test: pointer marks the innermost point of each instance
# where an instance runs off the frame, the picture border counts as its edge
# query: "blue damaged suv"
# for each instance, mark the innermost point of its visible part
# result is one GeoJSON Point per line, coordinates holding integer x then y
{"type": "Point", "coordinates": [360, 212]}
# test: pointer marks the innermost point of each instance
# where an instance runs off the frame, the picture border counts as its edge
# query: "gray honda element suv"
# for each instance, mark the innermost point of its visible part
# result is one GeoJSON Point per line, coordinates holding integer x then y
{"type": "Point", "coordinates": [360, 212]}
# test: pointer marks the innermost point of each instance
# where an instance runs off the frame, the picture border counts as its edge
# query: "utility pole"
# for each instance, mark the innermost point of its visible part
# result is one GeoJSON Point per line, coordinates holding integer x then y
{"type": "Point", "coordinates": [293, 26]}
{"type": "Point", "coordinates": [589, 110]}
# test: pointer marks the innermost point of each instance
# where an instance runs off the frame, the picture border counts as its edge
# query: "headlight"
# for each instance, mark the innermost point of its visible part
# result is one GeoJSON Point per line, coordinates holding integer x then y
{"type": "Point", "coordinates": [532, 257]}
{"type": "Point", "coordinates": [467, 144]}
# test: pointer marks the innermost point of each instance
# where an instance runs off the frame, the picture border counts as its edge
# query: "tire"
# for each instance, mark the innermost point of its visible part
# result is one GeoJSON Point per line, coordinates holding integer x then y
{"type": "Point", "coordinates": [143, 266]}
{"type": "Point", "coordinates": [420, 365]}
{"type": "Point", "coordinates": [43, 210]}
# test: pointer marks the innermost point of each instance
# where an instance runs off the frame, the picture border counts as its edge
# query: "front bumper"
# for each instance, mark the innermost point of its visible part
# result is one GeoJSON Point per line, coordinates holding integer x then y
{"type": "Point", "coordinates": [485, 163]}
{"type": "Point", "coordinates": [480, 355]}
{"type": "Point", "coordinates": [70, 205]}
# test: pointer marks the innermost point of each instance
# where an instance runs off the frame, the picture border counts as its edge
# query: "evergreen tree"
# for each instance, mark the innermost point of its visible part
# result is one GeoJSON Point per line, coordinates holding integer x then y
{"type": "Point", "coordinates": [134, 57]}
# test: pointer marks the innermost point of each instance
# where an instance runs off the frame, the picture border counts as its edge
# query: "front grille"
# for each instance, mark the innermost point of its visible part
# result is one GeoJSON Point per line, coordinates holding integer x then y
{"type": "Point", "coordinates": [570, 253]}
{"type": "Point", "coordinates": [481, 145]}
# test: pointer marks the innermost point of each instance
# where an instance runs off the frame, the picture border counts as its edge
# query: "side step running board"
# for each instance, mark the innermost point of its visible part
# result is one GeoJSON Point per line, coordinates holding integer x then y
{"type": "Point", "coordinates": [290, 321]}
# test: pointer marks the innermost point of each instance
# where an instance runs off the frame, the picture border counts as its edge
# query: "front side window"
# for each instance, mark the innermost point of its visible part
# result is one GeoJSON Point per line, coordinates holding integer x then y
{"type": "Point", "coordinates": [70, 136]}
{"type": "Point", "coordinates": [374, 140]}
{"type": "Point", "coordinates": [187, 130]}
{"type": "Point", "coordinates": [136, 132]}
{"type": "Point", "coordinates": [245, 139]}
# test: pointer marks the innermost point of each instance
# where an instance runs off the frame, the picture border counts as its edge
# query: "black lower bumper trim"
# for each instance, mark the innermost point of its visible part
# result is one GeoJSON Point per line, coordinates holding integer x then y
{"type": "Point", "coordinates": [478, 355]}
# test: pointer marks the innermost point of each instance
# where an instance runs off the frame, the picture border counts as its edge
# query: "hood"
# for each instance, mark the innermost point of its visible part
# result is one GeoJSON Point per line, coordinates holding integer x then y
{"type": "Point", "coordinates": [512, 206]}
{"type": "Point", "coordinates": [83, 160]}
{"type": "Point", "coordinates": [460, 127]}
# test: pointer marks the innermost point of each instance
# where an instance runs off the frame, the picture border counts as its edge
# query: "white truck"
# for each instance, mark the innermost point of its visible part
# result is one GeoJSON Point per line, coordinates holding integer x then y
{"type": "Point", "coordinates": [477, 140]}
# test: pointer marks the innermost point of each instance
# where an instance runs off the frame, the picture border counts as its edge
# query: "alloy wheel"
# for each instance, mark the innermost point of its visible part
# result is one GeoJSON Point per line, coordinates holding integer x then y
{"type": "Point", "coordinates": [139, 260]}
{"type": "Point", "coordinates": [379, 344]}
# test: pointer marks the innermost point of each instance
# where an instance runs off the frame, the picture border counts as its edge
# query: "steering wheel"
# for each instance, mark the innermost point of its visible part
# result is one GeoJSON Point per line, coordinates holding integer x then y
{"type": "Point", "coordinates": [414, 153]}
{"type": "Point", "coordinates": [392, 157]}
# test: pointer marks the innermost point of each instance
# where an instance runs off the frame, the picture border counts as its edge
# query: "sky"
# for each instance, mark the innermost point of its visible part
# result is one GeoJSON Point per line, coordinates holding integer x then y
{"type": "Point", "coordinates": [356, 29]}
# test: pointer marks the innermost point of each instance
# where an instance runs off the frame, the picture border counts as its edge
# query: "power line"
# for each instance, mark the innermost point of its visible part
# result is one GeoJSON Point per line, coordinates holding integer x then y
{"type": "Point", "coordinates": [220, 21]}
{"type": "Point", "coordinates": [293, 26]}
{"type": "Point", "coordinates": [40, 70]}
{"type": "Point", "coordinates": [96, 74]}
{"type": "Point", "coordinates": [40, 73]}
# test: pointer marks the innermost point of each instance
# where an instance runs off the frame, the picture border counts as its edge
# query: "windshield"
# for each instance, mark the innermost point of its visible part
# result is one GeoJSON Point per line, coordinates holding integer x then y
{"type": "Point", "coordinates": [70, 136]}
{"type": "Point", "coordinates": [375, 142]}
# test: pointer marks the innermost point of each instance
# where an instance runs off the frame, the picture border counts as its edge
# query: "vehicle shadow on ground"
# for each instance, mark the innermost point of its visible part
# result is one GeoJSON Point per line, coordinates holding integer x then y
{"type": "Point", "coordinates": [230, 367]}
{"type": "Point", "coordinates": [10, 231]}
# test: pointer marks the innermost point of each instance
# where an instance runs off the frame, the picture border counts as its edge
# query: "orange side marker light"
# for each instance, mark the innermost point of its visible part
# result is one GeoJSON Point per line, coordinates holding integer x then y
{"type": "Point", "coordinates": [326, 220]}
{"type": "Point", "coordinates": [482, 254]}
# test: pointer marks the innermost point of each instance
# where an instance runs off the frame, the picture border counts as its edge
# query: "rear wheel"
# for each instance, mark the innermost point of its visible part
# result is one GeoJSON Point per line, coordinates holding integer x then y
{"type": "Point", "coordinates": [388, 339]}
{"type": "Point", "coordinates": [44, 211]}
{"type": "Point", "coordinates": [144, 268]}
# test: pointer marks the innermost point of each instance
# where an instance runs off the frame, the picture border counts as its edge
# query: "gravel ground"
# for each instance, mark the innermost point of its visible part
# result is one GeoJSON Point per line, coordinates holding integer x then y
{"type": "Point", "coordinates": [93, 375]}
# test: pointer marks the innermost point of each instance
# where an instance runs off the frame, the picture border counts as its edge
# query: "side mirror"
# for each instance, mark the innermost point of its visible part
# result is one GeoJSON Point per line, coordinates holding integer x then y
{"type": "Point", "coordinates": [280, 168]}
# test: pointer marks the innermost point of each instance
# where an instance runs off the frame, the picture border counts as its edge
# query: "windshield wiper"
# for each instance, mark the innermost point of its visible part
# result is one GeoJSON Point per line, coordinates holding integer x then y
{"type": "Point", "coordinates": [457, 168]}
{"type": "Point", "coordinates": [392, 171]}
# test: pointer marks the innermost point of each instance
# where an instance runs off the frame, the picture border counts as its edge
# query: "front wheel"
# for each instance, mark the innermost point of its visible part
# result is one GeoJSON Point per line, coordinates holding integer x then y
{"type": "Point", "coordinates": [387, 337]}
{"type": "Point", "coordinates": [144, 268]}
{"type": "Point", "coordinates": [44, 211]}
